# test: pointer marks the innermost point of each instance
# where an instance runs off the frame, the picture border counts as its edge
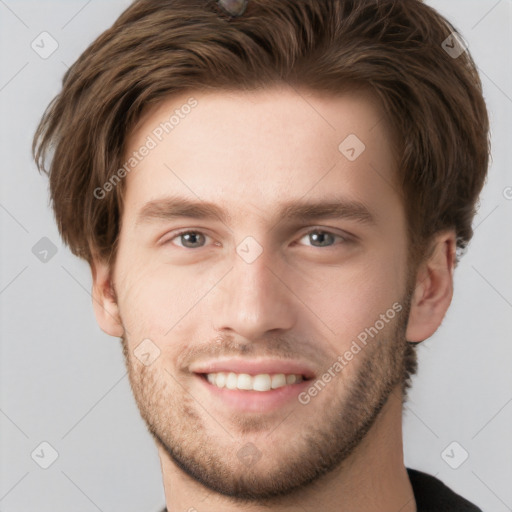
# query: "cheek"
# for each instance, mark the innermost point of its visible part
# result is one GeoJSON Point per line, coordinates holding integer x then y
{"type": "Point", "coordinates": [155, 298]}
{"type": "Point", "coordinates": [349, 299]}
{"type": "Point", "coordinates": [144, 299]}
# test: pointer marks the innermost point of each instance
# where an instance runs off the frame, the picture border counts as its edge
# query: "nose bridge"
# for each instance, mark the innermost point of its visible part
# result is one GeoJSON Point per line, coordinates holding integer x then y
{"type": "Point", "coordinates": [254, 299]}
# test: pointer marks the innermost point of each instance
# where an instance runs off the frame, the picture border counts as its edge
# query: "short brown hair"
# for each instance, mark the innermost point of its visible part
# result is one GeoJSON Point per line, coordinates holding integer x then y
{"type": "Point", "coordinates": [157, 48]}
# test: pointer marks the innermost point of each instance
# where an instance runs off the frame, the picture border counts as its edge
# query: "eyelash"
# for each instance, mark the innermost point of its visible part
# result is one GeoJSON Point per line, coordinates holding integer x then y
{"type": "Point", "coordinates": [344, 239]}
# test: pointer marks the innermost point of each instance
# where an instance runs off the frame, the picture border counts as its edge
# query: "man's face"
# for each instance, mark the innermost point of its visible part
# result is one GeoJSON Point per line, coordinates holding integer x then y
{"type": "Point", "coordinates": [262, 285]}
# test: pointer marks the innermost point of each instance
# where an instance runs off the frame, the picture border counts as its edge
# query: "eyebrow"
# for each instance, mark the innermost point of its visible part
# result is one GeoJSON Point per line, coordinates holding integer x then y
{"type": "Point", "coordinates": [170, 208]}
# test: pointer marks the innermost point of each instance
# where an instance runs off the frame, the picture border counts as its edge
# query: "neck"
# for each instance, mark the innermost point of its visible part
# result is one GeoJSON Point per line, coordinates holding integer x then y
{"type": "Point", "coordinates": [373, 478]}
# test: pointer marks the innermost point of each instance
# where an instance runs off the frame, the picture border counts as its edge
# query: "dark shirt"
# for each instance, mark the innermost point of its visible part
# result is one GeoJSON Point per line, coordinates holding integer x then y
{"type": "Point", "coordinates": [432, 495]}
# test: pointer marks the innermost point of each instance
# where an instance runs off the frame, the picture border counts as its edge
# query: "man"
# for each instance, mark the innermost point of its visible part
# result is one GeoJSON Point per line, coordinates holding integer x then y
{"type": "Point", "coordinates": [271, 196]}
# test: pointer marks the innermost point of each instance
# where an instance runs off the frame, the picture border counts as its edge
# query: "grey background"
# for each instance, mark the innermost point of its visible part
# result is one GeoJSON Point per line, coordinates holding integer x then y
{"type": "Point", "coordinates": [63, 380]}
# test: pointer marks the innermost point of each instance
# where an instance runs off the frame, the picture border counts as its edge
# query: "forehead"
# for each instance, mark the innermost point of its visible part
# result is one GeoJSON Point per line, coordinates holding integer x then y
{"type": "Point", "coordinates": [250, 152]}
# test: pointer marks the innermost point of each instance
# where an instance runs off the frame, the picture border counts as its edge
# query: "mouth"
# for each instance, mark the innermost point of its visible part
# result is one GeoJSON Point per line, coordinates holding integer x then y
{"type": "Point", "coordinates": [261, 385]}
{"type": "Point", "coordinates": [246, 393]}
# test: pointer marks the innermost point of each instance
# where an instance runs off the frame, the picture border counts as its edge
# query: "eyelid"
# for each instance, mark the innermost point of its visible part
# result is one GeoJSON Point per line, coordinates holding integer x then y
{"type": "Point", "coordinates": [169, 237]}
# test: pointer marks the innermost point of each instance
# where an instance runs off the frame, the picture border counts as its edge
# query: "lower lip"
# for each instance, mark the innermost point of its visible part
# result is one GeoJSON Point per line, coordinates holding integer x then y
{"type": "Point", "coordinates": [256, 401]}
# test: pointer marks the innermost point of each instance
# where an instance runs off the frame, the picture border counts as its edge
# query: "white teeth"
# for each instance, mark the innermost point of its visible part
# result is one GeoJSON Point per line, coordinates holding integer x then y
{"type": "Point", "coordinates": [219, 380]}
{"type": "Point", "coordinates": [244, 381]}
{"type": "Point", "coordinates": [278, 380]}
{"type": "Point", "coordinates": [262, 382]}
{"type": "Point", "coordinates": [232, 381]}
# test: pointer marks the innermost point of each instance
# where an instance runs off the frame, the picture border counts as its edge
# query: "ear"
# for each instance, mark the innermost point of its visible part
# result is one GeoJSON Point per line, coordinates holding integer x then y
{"type": "Point", "coordinates": [104, 299]}
{"type": "Point", "coordinates": [434, 288]}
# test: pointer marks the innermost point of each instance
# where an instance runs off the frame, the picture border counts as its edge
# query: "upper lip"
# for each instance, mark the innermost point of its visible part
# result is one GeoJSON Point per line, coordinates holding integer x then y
{"type": "Point", "coordinates": [254, 367]}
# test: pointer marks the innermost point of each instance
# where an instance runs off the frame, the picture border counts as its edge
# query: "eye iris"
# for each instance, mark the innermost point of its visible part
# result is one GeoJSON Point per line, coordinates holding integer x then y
{"type": "Point", "coordinates": [190, 238]}
{"type": "Point", "coordinates": [320, 236]}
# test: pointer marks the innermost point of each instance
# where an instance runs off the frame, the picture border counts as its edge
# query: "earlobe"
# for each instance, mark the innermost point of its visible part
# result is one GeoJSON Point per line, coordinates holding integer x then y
{"type": "Point", "coordinates": [104, 300]}
{"type": "Point", "coordinates": [434, 289]}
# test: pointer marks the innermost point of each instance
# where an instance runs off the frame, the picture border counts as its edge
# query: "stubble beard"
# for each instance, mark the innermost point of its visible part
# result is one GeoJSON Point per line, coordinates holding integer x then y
{"type": "Point", "coordinates": [317, 442]}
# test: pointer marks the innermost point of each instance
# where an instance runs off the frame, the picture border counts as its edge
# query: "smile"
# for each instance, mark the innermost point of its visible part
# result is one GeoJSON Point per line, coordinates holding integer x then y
{"type": "Point", "coordinates": [261, 382]}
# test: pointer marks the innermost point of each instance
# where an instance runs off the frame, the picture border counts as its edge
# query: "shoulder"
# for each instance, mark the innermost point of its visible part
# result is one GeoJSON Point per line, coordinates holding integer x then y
{"type": "Point", "coordinates": [432, 495]}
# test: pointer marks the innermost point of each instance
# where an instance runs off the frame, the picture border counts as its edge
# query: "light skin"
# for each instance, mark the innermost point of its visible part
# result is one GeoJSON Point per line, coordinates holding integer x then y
{"type": "Point", "coordinates": [305, 297]}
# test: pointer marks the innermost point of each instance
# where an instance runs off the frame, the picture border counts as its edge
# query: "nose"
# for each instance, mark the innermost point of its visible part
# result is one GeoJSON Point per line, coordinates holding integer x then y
{"type": "Point", "coordinates": [255, 298]}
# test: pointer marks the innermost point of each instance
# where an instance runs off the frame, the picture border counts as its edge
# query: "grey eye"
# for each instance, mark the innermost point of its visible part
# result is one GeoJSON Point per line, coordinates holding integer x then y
{"type": "Point", "coordinates": [191, 239]}
{"type": "Point", "coordinates": [323, 238]}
